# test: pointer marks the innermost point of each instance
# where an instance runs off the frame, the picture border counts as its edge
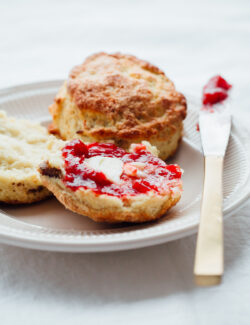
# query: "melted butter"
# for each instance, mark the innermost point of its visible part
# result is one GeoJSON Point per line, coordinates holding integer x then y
{"type": "Point", "coordinates": [110, 167]}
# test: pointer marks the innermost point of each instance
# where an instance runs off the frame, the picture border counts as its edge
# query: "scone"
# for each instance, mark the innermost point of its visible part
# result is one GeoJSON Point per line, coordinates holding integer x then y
{"type": "Point", "coordinates": [120, 98]}
{"type": "Point", "coordinates": [109, 184]}
{"type": "Point", "coordinates": [23, 145]}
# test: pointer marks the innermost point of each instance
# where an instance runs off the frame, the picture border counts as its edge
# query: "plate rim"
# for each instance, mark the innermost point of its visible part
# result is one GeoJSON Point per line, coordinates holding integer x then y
{"type": "Point", "coordinates": [154, 238]}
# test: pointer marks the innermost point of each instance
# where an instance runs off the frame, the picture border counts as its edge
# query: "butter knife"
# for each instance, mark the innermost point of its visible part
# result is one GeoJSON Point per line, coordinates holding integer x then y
{"type": "Point", "coordinates": [215, 129]}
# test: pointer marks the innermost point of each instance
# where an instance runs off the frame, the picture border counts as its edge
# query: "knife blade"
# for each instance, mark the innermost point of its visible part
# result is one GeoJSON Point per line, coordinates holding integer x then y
{"type": "Point", "coordinates": [215, 129]}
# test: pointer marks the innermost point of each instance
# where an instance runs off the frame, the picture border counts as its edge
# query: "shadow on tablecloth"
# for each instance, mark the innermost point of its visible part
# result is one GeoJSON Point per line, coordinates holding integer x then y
{"type": "Point", "coordinates": [134, 275]}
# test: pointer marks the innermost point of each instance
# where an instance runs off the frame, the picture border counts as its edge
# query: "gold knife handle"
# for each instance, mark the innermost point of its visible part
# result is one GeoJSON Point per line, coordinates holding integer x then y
{"type": "Point", "coordinates": [209, 265]}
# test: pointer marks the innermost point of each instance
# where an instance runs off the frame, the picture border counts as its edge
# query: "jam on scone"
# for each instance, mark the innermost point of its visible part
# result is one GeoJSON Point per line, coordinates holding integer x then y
{"type": "Point", "coordinates": [107, 183]}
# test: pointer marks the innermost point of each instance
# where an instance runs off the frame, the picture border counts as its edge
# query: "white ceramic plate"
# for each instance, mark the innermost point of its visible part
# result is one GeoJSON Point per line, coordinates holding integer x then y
{"type": "Point", "coordinates": [48, 226]}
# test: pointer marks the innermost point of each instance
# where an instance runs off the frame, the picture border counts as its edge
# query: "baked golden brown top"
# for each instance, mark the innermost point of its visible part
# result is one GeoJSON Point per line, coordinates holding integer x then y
{"type": "Point", "coordinates": [125, 96]}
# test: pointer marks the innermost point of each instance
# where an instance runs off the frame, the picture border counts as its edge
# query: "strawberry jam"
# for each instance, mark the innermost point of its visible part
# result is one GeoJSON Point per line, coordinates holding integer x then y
{"type": "Point", "coordinates": [142, 172]}
{"type": "Point", "coordinates": [215, 91]}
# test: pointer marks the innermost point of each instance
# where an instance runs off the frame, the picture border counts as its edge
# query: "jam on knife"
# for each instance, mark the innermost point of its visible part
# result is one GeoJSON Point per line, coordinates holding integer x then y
{"type": "Point", "coordinates": [215, 91]}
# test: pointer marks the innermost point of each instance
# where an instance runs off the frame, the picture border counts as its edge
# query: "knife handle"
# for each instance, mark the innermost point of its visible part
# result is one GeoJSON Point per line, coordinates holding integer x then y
{"type": "Point", "coordinates": [208, 267]}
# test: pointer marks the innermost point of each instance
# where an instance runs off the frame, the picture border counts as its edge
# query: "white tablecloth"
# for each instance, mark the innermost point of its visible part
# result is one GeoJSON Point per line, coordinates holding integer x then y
{"type": "Point", "coordinates": [191, 41]}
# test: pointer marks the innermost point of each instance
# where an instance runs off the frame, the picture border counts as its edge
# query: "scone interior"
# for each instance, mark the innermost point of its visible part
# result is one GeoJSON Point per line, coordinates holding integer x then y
{"type": "Point", "coordinates": [107, 183]}
{"type": "Point", "coordinates": [121, 98]}
{"type": "Point", "coordinates": [23, 145]}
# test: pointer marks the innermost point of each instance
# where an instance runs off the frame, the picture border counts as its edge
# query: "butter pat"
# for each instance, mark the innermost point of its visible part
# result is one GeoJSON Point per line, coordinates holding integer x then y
{"type": "Point", "coordinates": [110, 167]}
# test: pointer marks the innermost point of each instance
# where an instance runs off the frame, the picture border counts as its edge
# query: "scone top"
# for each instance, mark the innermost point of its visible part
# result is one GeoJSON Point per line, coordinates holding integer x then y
{"type": "Point", "coordinates": [120, 97]}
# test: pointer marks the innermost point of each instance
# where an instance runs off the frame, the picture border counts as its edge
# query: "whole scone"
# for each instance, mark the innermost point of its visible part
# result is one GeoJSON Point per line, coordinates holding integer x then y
{"type": "Point", "coordinates": [120, 98]}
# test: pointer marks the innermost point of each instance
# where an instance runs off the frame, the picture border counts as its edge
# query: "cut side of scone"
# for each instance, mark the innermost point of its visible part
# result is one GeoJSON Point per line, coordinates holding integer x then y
{"type": "Point", "coordinates": [23, 145]}
{"type": "Point", "coordinates": [107, 183]}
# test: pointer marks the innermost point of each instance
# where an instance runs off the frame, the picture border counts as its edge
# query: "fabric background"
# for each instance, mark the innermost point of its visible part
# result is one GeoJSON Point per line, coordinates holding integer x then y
{"type": "Point", "coordinates": [191, 41]}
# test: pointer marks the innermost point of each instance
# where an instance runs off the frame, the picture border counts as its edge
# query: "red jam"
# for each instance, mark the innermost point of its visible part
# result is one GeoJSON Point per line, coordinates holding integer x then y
{"type": "Point", "coordinates": [215, 91]}
{"type": "Point", "coordinates": [158, 176]}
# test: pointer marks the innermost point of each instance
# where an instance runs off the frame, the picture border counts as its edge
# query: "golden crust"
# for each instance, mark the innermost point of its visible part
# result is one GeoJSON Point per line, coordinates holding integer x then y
{"type": "Point", "coordinates": [121, 98]}
{"type": "Point", "coordinates": [104, 208]}
{"type": "Point", "coordinates": [22, 192]}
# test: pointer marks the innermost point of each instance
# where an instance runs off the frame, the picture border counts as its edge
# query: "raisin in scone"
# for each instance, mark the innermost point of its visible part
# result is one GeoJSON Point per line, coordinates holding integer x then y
{"type": "Point", "coordinates": [23, 145]}
{"type": "Point", "coordinates": [107, 183]}
{"type": "Point", "coordinates": [121, 98]}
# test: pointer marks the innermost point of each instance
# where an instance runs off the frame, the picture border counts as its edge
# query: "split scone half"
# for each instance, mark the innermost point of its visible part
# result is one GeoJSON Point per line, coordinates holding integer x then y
{"type": "Point", "coordinates": [107, 183]}
{"type": "Point", "coordinates": [23, 145]}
